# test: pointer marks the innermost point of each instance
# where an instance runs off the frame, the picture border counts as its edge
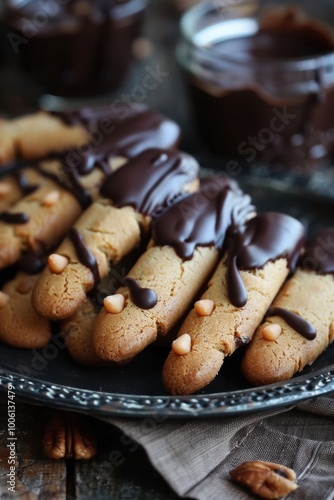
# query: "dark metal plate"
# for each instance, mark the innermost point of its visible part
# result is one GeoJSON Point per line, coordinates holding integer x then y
{"type": "Point", "coordinates": [49, 376]}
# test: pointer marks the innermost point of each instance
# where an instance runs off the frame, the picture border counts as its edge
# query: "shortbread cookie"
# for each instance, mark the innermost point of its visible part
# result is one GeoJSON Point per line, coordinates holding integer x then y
{"type": "Point", "coordinates": [256, 264]}
{"type": "Point", "coordinates": [37, 135]}
{"type": "Point", "coordinates": [20, 325]}
{"type": "Point", "coordinates": [77, 332]}
{"type": "Point", "coordinates": [123, 129]}
{"type": "Point", "coordinates": [113, 226]}
{"type": "Point", "coordinates": [13, 187]}
{"type": "Point", "coordinates": [33, 225]}
{"type": "Point", "coordinates": [77, 329]}
{"type": "Point", "coordinates": [300, 324]}
{"type": "Point", "coordinates": [187, 239]}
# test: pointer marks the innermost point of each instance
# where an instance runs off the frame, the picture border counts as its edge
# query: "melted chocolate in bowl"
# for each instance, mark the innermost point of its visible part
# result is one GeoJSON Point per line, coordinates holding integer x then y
{"type": "Point", "coordinates": [74, 48]}
{"type": "Point", "coordinates": [263, 89]}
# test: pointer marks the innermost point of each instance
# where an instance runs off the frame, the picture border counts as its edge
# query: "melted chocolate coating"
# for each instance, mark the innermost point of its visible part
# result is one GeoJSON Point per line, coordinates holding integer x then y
{"type": "Point", "coordinates": [121, 130]}
{"type": "Point", "coordinates": [202, 218]}
{"type": "Point", "coordinates": [266, 237]}
{"type": "Point", "coordinates": [71, 182]}
{"type": "Point", "coordinates": [237, 292]}
{"type": "Point", "coordinates": [319, 254]}
{"type": "Point", "coordinates": [14, 218]}
{"type": "Point", "coordinates": [318, 257]}
{"type": "Point", "coordinates": [145, 298]}
{"type": "Point", "coordinates": [84, 254]}
{"type": "Point", "coordinates": [296, 322]}
{"type": "Point", "coordinates": [91, 117]}
{"type": "Point", "coordinates": [31, 263]}
{"type": "Point", "coordinates": [23, 183]}
{"type": "Point", "coordinates": [150, 181]}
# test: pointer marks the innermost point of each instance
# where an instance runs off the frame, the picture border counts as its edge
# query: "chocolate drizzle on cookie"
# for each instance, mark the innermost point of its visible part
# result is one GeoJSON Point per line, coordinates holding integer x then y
{"type": "Point", "coordinates": [84, 254]}
{"type": "Point", "coordinates": [266, 237]}
{"type": "Point", "coordinates": [23, 183]}
{"type": "Point", "coordinates": [151, 181]}
{"type": "Point", "coordinates": [14, 217]}
{"type": "Point", "coordinates": [69, 180]}
{"type": "Point", "coordinates": [113, 131]}
{"type": "Point", "coordinates": [145, 298]}
{"type": "Point", "coordinates": [237, 292]}
{"type": "Point", "coordinates": [318, 257]}
{"type": "Point", "coordinates": [122, 130]}
{"type": "Point", "coordinates": [299, 324]}
{"type": "Point", "coordinates": [31, 263]}
{"type": "Point", "coordinates": [202, 218]}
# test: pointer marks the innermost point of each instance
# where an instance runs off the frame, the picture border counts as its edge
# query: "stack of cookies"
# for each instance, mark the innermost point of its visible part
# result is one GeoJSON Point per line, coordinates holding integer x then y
{"type": "Point", "coordinates": [108, 185]}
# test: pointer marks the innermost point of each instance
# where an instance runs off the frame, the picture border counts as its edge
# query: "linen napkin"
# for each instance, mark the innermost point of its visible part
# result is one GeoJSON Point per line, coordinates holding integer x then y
{"type": "Point", "coordinates": [195, 455]}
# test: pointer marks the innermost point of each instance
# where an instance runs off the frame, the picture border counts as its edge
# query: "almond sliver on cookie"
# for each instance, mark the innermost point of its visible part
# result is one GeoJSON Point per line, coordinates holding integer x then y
{"type": "Point", "coordinates": [256, 264]}
{"type": "Point", "coordinates": [113, 226]}
{"type": "Point", "coordinates": [304, 309]}
{"type": "Point", "coordinates": [186, 242]}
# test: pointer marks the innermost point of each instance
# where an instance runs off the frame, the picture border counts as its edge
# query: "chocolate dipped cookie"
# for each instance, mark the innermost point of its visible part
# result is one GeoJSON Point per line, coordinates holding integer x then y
{"type": "Point", "coordinates": [69, 183]}
{"type": "Point", "coordinates": [300, 324]}
{"type": "Point", "coordinates": [186, 242]}
{"type": "Point", "coordinates": [77, 132]}
{"type": "Point", "coordinates": [112, 226]}
{"type": "Point", "coordinates": [258, 259]}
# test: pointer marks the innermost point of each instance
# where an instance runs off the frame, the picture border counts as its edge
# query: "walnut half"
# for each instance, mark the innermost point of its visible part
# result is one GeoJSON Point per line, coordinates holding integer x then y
{"type": "Point", "coordinates": [265, 479]}
{"type": "Point", "coordinates": [68, 436]}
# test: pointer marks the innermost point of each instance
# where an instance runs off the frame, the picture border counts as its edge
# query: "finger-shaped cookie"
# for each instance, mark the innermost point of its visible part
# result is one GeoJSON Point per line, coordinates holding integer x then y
{"type": "Point", "coordinates": [300, 324]}
{"type": "Point", "coordinates": [37, 135]}
{"type": "Point", "coordinates": [42, 218]}
{"type": "Point", "coordinates": [77, 329]}
{"type": "Point", "coordinates": [257, 262]}
{"type": "Point", "coordinates": [79, 175]}
{"type": "Point", "coordinates": [113, 226]}
{"type": "Point", "coordinates": [33, 224]}
{"type": "Point", "coordinates": [87, 133]}
{"type": "Point", "coordinates": [77, 332]}
{"type": "Point", "coordinates": [13, 187]}
{"type": "Point", "coordinates": [187, 239]}
{"type": "Point", "coordinates": [20, 325]}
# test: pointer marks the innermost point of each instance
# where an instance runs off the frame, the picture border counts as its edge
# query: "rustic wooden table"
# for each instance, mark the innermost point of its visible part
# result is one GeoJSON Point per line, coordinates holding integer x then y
{"type": "Point", "coordinates": [120, 469]}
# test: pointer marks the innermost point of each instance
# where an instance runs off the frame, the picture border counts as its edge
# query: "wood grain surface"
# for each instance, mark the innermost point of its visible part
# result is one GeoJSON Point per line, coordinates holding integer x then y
{"type": "Point", "coordinates": [120, 469]}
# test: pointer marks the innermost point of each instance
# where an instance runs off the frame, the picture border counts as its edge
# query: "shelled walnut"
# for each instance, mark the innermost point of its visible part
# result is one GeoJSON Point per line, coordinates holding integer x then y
{"type": "Point", "coordinates": [68, 436]}
{"type": "Point", "coordinates": [265, 479]}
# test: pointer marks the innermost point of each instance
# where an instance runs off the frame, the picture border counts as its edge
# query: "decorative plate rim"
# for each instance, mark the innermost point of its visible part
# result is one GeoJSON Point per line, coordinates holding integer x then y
{"type": "Point", "coordinates": [228, 403]}
{"type": "Point", "coordinates": [217, 404]}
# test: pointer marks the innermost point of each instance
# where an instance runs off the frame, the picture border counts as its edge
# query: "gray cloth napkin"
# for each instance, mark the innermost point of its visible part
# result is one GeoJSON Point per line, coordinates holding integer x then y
{"type": "Point", "coordinates": [195, 456]}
